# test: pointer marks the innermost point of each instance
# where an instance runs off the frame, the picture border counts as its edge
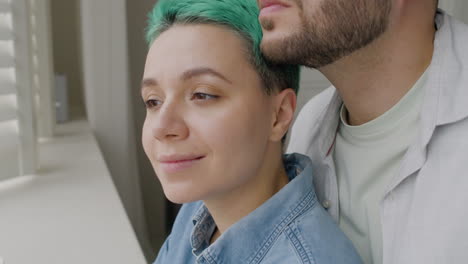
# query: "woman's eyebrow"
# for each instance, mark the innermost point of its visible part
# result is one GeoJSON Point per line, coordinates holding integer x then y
{"type": "Point", "coordinates": [192, 73]}
{"type": "Point", "coordinates": [195, 72]}
{"type": "Point", "coordinates": [148, 82]}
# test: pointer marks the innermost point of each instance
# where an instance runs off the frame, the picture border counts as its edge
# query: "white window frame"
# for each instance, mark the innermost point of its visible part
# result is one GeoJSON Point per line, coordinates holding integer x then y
{"type": "Point", "coordinates": [33, 112]}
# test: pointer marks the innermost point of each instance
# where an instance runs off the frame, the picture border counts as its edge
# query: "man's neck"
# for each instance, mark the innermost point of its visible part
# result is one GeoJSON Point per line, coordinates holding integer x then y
{"type": "Point", "coordinates": [228, 208]}
{"type": "Point", "coordinates": [372, 80]}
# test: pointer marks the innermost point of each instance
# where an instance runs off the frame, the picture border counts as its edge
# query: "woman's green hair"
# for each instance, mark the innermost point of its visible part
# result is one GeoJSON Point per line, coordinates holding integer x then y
{"type": "Point", "coordinates": [240, 16]}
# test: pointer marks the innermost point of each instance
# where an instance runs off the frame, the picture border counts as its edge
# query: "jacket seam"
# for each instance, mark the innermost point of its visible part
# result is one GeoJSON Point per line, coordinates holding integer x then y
{"type": "Point", "coordinates": [307, 202]}
{"type": "Point", "coordinates": [297, 241]}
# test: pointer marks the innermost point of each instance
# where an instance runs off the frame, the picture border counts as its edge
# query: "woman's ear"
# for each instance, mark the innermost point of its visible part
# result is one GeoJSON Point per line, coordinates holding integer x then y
{"type": "Point", "coordinates": [285, 105]}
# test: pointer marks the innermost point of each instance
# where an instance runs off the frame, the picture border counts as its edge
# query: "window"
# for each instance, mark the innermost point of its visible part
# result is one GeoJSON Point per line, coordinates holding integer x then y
{"type": "Point", "coordinates": [23, 84]}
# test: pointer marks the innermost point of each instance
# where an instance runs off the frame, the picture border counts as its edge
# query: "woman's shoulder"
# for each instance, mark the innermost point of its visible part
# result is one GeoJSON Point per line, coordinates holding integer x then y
{"type": "Point", "coordinates": [313, 237]}
{"type": "Point", "coordinates": [317, 236]}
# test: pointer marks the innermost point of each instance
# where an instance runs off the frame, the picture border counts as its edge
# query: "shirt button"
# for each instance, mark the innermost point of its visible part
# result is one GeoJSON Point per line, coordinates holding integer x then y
{"type": "Point", "coordinates": [326, 204]}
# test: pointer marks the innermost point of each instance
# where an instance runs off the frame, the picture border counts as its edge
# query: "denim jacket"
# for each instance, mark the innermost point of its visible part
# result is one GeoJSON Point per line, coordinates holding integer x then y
{"type": "Point", "coordinates": [291, 227]}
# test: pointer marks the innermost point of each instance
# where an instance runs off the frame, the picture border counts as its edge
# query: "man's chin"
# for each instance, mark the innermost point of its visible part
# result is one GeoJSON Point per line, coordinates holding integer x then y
{"type": "Point", "coordinates": [272, 40]}
{"type": "Point", "coordinates": [270, 51]}
{"type": "Point", "coordinates": [277, 49]}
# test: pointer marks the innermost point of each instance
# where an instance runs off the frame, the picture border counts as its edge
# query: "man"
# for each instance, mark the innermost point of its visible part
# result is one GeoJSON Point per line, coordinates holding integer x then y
{"type": "Point", "coordinates": [389, 141]}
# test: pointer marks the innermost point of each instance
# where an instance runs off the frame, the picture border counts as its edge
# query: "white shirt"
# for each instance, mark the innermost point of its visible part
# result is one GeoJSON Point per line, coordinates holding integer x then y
{"type": "Point", "coordinates": [366, 158]}
{"type": "Point", "coordinates": [425, 207]}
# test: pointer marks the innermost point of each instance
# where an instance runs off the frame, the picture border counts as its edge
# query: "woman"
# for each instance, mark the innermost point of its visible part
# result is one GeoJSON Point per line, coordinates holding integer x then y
{"type": "Point", "coordinates": [217, 114]}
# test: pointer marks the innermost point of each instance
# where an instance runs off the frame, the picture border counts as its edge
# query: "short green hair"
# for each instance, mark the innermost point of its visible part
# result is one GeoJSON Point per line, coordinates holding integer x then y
{"type": "Point", "coordinates": [241, 16]}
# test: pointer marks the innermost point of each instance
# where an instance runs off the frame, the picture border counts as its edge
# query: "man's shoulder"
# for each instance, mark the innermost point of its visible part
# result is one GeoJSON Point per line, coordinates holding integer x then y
{"type": "Point", "coordinates": [449, 72]}
{"type": "Point", "coordinates": [308, 120]}
{"type": "Point", "coordinates": [451, 141]}
{"type": "Point", "coordinates": [457, 33]}
{"type": "Point", "coordinates": [314, 109]}
{"type": "Point", "coordinates": [317, 104]}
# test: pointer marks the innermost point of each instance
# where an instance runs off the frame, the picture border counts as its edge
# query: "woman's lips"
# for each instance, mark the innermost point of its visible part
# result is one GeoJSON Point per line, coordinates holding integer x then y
{"type": "Point", "coordinates": [177, 165]}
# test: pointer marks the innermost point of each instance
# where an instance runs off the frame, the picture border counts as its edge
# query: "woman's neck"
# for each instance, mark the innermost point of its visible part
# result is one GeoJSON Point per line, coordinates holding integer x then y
{"type": "Point", "coordinates": [228, 208]}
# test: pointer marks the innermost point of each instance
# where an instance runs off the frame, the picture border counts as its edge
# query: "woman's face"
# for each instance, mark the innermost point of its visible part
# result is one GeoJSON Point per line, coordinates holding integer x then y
{"type": "Point", "coordinates": [208, 122]}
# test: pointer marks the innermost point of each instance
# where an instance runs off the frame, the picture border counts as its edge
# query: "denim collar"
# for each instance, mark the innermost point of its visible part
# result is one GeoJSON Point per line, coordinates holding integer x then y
{"type": "Point", "coordinates": [203, 229]}
{"type": "Point", "coordinates": [261, 227]}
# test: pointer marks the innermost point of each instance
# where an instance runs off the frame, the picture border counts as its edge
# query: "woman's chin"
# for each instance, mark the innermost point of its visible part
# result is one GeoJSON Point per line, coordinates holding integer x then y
{"type": "Point", "coordinates": [180, 197]}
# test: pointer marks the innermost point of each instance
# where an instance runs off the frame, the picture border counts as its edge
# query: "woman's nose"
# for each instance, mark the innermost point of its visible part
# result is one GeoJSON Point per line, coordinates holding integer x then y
{"type": "Point", "coordinates": [170, 124]}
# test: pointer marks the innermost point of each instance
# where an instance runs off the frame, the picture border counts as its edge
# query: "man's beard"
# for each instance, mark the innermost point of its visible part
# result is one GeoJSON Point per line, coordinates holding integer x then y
{"type": "Point", "coordinates": [337, 29]}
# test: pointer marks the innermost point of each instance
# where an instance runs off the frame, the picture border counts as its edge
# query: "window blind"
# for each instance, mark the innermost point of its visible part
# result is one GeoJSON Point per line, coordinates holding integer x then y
{"type": "Point", "coordinates": [17, 128]}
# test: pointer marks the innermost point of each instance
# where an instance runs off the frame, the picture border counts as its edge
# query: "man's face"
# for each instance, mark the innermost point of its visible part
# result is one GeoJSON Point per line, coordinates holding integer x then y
{"type": "Point", "coordinates": [316, 33]}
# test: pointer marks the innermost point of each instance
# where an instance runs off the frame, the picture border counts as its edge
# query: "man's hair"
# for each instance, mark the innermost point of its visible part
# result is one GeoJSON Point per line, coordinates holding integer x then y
{"type": "Point", "coordinates": [240, 16]}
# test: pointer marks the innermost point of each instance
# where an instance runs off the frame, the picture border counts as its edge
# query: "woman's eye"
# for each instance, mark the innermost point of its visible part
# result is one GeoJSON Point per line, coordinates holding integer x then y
{"type": "Point", "coordinates": [203, 96]}
{"type": "Point", "coordinates": [152, 103]}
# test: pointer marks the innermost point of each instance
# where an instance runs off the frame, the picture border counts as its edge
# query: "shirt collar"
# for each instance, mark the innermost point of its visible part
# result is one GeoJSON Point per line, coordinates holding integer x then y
{"type": "Point", "coordinates": [331, 116]}
{"type": "Point", "coordinates": [203, 229]}
{"type": "Point", "coordinates": [445, 91]}
{"type": "Point", "coordinates": [249, 238]}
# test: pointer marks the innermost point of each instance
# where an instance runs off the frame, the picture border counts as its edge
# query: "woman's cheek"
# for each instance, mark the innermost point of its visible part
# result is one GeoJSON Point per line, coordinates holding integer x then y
{"type": "Point", "coordinates": [147, 139]}
{"type": "Point", "coordinates": [224, 126]}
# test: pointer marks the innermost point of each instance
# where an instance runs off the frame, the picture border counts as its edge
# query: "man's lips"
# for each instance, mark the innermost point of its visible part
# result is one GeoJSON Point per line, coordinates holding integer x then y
{"type": "Point", "coordinates": [269, 6]}
{"type": "Point", "coordinates": [269, 3]}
